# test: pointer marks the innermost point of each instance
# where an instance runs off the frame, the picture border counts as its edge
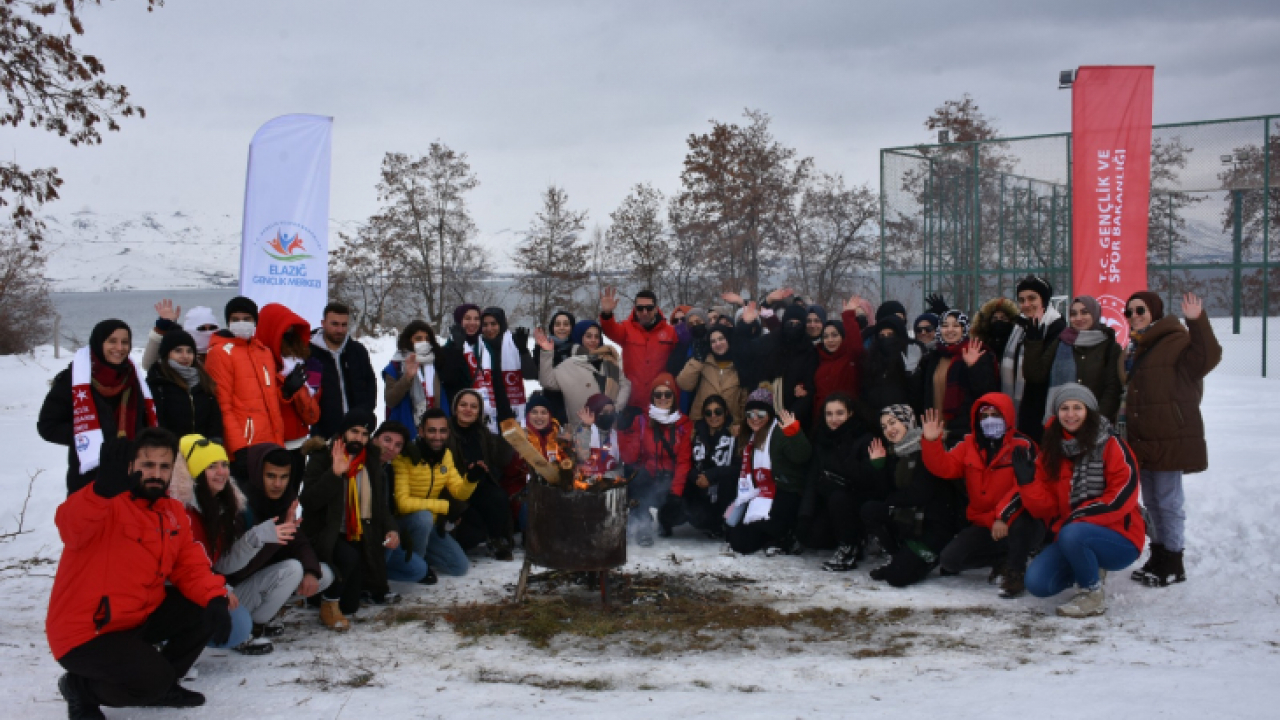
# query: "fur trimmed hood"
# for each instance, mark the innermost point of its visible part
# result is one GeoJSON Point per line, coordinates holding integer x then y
{"type": "Point", "coordinates": [981, 327]}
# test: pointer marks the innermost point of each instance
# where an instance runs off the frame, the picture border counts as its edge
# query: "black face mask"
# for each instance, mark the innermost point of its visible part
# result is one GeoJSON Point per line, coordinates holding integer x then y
{"type": "Point", "coordinates": [792, 332]}
{"type": "Point", "coordinates": [888, 344]}
{"type": "Point", "coordinates": [1001, 330]}
{"type": "Point", "coordinates": [698, 331]}
{"type": "Point", "coordinates": [354, 447]}
{"type": "Point", "coordinates": [605, 422]}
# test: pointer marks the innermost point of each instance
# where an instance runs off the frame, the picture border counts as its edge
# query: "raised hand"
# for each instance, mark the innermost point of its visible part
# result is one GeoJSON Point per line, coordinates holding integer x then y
{"type": "Point", "coordinates": [285, 531]}
{"type": "Point", "coordinates": [1024, 466]}
{"type": "Point", "coordinates": [1192, 306]}
{"type": "Point", "coordinates": [167, 310]}
{"type": "Point", "coordinates": [411, 364]}
{"type": "Point", "coordinates": [750, 313]}
{"type": "Point", "coordinates": [779, 294]}
{"type": "Point", "coordinates": [609, 300]}
{"type": "Point", "coordinates": [341, 463]}
{"type": "Point", "coordinates": [800, 391]}
{"type": "Point", "coordinates": [972, 352]}
{"type": "Point", "coordinates": [935, 304]}
{"type": "Point", "coordinates": [542, 340]}
{"type": "Point", "coordinates": [786, 417]}
{"type": "Point", "coordinates": [933, 425]}
{"type": "Point", "coordinates": [585, 416]}
{"type": "Point", "coordinates": [732, 298]}
{"type": "Point", "coordinates": [854, 303]}
{"type": "Point", "coordinates": [876, 449]}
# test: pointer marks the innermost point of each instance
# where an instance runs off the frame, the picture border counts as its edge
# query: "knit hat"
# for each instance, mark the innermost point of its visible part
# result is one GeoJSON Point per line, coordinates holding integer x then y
{"type": "Point", "coordinates": [925, 317]}
{"type": "Point", "coordinates": [959, 316]}
{"type": "Point", "coordinates": [1152, 300]}
{"type": "Point", "coordinates": [903, 413]}
{"type": "Point", "coordinates": [760, 399]}
{"type": "Point", "coordinates": [101, 332]}
{"type": "Point", "coordinates": [241, 304]}
{"type": "Point", "coordinates": [694, 312]}
{"type": "Point", "coordinates": [598, 402]}
{"type": "Point", "coordinates": [818, 310]}
{"type": "Point", "coordinates": [1072, 391]}
{"type": "Point", "coordinates": [537, 400]}
{"type": "Point", "coordinates": [357, 418]}
{"type": "Point", "coordinates": [1091, 306]}
{"type": "Point", "coordinates": [200, 453]}
{"type": "Point", "coordinates": [1037, 285]}
{"type": "Point", "coordinates": [724, 310]}
{"type": "Point", "coordinates": [890, 307]}
{"type": "Point", "coordinates": [891, 322]}
{"type": "Point", "coordinates": [580, 329]}
{"type": "Point", "coordinates": [197, 317]}
{"type": "Point", "coordinates": [461, 310]}
{"type": "Point", "coordinates": [176, 339]}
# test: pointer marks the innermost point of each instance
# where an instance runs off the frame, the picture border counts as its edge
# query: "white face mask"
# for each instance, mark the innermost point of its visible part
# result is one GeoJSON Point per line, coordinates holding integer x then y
{"type": "Point", "coordinates": [423, 351]}
{"type": "Point", "coordinates": [992, 427]}
{"type": "Point", "coordinates": [242, 329]}
{"type": "Point", "coordinates": [202, 338]}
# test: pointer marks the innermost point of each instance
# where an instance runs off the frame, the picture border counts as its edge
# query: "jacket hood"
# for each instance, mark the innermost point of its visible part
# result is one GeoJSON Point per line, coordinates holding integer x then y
{"type": "Point", "coordinates": [262, 506]}
{"type": "Point", "coordinates": [665, 378]}
{"type": "Point", "coordinates": [274, 321]}
{"type": "Point", "coordinates": [1001, 402]}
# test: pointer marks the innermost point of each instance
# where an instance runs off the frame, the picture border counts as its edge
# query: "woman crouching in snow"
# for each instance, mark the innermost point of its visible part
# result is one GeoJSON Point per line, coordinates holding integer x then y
{"type": "Point", "coordinates": [1085, 484]}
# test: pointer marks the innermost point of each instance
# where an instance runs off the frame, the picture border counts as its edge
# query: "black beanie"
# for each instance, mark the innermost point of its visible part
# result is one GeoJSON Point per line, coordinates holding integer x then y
{"type": "Point", "coordinates": [1037, 285]}
{"type": "Point", "coordinates": [890, 307]}
{"type": "Point", "coordinates": [101, 332]}
{"type": "Point", "coordinates": [175, 339]}
{"type": "Point", "coordinates": [241, 304]}
{"type": "Point", "coordinates": [357, 418]}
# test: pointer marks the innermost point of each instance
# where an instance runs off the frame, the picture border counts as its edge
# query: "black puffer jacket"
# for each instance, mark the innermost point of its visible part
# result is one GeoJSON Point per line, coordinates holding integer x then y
{"type": "Point", "coordinates": [357, 377]}
{"type": "Point", "coordinates": [777, 356]}
{"type": "Point", "coordinates": [183, 411]}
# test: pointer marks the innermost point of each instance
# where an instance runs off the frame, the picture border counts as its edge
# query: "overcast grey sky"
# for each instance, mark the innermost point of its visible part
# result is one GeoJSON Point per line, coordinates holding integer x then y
{"type": "Point", "coordinates": [597, 96]}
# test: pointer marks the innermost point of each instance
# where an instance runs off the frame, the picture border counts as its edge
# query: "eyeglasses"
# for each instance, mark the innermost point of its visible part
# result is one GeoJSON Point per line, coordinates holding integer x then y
{"type": "Point", "coordinates": [925, 330]}
{"type": "Point", "coordinates": [757, 414]}
{"type": "Point", "coordinates": [646, 308]}
{"type": "Point", "coordinates": [1139, 311]}
{"type": "Point", "coordinates": [714, 412]}
{"type": "Point", "coordinates": [202, 442]}
{"type": "Point", "coordinates": [663, 394]}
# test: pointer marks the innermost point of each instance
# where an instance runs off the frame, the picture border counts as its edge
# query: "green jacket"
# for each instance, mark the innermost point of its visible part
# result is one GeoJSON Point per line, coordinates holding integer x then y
{"type": "Point", "coordinates": [789, 452]}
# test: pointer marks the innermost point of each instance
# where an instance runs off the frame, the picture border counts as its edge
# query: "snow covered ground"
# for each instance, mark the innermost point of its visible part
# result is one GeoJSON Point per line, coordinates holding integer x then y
{"type": "Point", "coordinates": [945, 648]}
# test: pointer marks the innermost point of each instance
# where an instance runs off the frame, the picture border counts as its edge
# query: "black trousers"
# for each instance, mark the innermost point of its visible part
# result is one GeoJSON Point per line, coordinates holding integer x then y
{"type": "Point", "coordinates": [488, 516]}
{"type": "Point", "coordinates": [697, 508]}
{"type": "Point", "coordinates": [837, 521]}
{"type": "Point", "coordinates": [124, 669]}
{"type": "Point", "coordinates": [348, 570]}
{"type": "Point", "coordinates": [780, 526]}
{"type": "Point", "coordinates": [974, 548]}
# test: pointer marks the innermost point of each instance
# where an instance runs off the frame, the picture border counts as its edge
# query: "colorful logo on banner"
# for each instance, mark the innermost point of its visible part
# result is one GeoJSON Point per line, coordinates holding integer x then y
{"type": "Point", "coordinates": [288, 245]}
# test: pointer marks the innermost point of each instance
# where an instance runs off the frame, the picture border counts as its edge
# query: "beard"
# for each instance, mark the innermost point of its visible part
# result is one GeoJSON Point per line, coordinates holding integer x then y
{"type": "Point", "coordinates": [151, 490]}
{"type": "Point", "coordinates": [353, 447]}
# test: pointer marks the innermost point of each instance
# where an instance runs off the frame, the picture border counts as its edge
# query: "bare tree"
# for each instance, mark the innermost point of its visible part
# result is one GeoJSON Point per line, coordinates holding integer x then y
{"type": "Point", "coordinates": [605, 268]}
{"type": "Point", "coordinates": [639, 234]}
{"type": "Point", "coordinates": [365, 273]}
{"type": "Point", "coordinates": [830, 237]}
{"type": "Point", "coordinates": [553, 255]}
{"type": "Point", "coordinates": [24, 294]}
{"type": "Point", "coordinates": [51, 85]}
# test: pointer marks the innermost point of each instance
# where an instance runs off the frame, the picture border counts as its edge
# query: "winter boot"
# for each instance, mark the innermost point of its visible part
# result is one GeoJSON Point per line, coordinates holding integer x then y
{"type": "Point", "coordinates": [501, 548]}
{"type": "Point", "coordinates": [1154, 562]}
{"type": "Point", "coordinates": [255, 646]}
{"type": "Point", "coordinates": [430, 578]}
{"type": "Point", "coordinates": [998, 571]}
{"type": "Point", "coordinates": [1013, 585]}
{"type": "Point", "coordinates": [81, 704]}
{"type": "Point", "coordinates": [1169, 572]}
{"type": "Point", "coordinates": [331, 616]}
{"type": "Point", "coordinates": [1086, 603]}
{"type": "Point", "coordinates": [272, 629]}
{"type": "Point", "coordinates": [180, 697]}
{"type": "Point", "coordinates": [844, 560]}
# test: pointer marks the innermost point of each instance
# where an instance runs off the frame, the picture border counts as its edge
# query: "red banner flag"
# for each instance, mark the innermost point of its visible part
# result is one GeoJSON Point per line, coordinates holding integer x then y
{"type": "Point", "coordinates": [1111, 185]}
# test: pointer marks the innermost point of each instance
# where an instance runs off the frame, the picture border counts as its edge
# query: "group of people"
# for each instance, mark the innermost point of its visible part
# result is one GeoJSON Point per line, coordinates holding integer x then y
{"type": "Point", "coordinates": [238, 467]}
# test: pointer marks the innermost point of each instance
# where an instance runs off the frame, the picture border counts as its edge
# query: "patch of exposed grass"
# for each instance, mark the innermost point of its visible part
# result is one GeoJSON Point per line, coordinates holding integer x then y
{"type": "Point", "coordinates": [545, 683]}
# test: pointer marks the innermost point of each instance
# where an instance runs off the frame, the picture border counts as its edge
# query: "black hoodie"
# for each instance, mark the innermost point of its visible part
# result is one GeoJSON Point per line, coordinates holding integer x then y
{"type": "Point", "coordinates": [260, 508]}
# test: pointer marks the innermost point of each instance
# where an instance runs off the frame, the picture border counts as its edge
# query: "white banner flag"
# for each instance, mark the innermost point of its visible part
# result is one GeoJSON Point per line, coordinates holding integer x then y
{"type": "Point", "coordinates": [284, 252]}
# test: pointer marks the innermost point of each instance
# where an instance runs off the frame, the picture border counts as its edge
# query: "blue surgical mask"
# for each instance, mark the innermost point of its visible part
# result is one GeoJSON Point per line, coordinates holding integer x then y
{"type": "Point", "coordinates": [992, 427]}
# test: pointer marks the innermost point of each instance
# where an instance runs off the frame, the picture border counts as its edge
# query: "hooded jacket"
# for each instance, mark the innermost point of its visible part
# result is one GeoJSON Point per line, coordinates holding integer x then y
{"type": "Point", "coordinates": [840, 371]}
{"type": "Point", "coordinates": [707, 377]}
{"type": "Point", "coordinates": [260, 508]}
{"type": "Point", "coordinates": [238, 552]}
{"type": "Point", "coordinates": [302, 410]}
{"type": "Point", "coordinates": [245, 374]}
{"type": "Point", "coordinates": [349, 375]}
{"type": "Point", "coordinates": [990, 482]}
{"type": "Point", "coordinates": [644, 351]}
{"type": "Point", "coordinates": [658, 447]}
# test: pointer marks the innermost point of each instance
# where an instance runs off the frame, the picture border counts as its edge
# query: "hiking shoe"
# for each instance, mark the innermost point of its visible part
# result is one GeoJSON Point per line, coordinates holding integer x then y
{"type": "Point", "coordinates": [1086, 603]}
{"type": "Point", "coordinates": [272, 629]}
{"type": "Point", "coordinates": [430, 578]}
{"type": "Point", "coordinates": [179, 697]}
{"type": "Point", "coordinates": [502, 549]}
{"type": "Point", "coordinates": [1153, 564]}
{"type": "Point", "coordinates": [844, 560]}
{"type": "Point", "coordinates": [255, 646]}
{"type": "Point", "coordinates": [1013, 584]}
{"type": "Point", "coordinates": [331, 616]}
{"type": "Point", "coordinates": [1168, 572]}
{"type": "Point", "coordinates": [81, 704]}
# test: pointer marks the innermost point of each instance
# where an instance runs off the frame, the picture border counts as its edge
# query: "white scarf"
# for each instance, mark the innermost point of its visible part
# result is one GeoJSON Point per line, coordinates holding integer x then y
{"type": "Point", "coordinates": [666, 417]}
{"type": "Point", "coordinates": [1012, 382]}
{"type": "Point", "coordinates": [86, 427]}
{"type": "Point", "coordinates": [512, 378]}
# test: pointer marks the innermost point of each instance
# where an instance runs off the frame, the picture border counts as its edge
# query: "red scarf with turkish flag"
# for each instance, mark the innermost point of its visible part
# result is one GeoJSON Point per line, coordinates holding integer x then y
{"type": "Point", "coordinates": [761, 475]}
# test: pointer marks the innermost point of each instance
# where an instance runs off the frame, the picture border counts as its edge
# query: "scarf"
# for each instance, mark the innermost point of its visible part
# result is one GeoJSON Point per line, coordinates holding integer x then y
{"type": "Point", "coordinates": [359, 502]}
{"type": "Point", "coordinates": [512, 380]}
{"type": "Point", "coordinates": [1012, 382]}
{"type": "Point", "coordinates": [665, 417]}
{"type": "Point", "coordinates": [423, 391]}
{"type": "Point", "coordinates": [87, 375]}
{"type": "Point", "coordinates": [189, 374]}
{"type": "Point", "coordinates": [604, 454]}
{"type": "Point", "coordinates": [545, 440]}
{"type": "Point", "coordinates": [1131, 352]}
{"type": "Point", "coordinates": [1088, 480]}
{"type": "Point", "coordinates": [757, 468]}
{"type": "Point", "coordinates": [953, 393]}
{"type": "Point", "coordinates": [909, 444]}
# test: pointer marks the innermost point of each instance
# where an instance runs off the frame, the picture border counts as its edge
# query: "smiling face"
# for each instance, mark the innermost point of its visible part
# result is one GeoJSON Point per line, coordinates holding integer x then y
{"type": "Point", "coordinates": [952, 330]}
{"type": "Point", "coordinates": [471, 322]}
{"type": "Point", "coordinates": [1138, 314]}
{"type": "Point", "coordinates": [1081, 320]}
{"type": "Point", "coordinates": [539, 418]}
{"type": "Point", "coordinates": [436, 431]}
{"type": "Point", "coordinates": [1072, 414]}
{"type": "Point", "coordinates": [561, 327]}
{"type": "Point", "coordinates": [894, 429]}
{"type": "Point", "coordinates": [183, 355]}
{"type": "Point", "coordinates": [115, 349]}
{"type": "Point", "coordinates": [713, 413]}
{"type": "Point", "coordinates": [217, 475]}
{"type": "Point", "coordinates": [831, 339]}
{"type": "Point", "coordinates": [719, 343]}
{"type": "Point", "coordinates": [591, 338]}
{"type": "Point", "coordinates": [835, 413]}
{"type": "Point", "coordinates": [490, 328]}
{"type": "Point", "coordinates": [757, 419]}
{"type": "Point", "coordinates": [390, 444]}
{"type": "Point", "coordinates": [1030, 304]}
{"type": "Point", "coordinates": [813, 325]}
{"type": "Point", "coordinates": [467, 410]}
{"type": "Point", "coordinates": [663, 397]}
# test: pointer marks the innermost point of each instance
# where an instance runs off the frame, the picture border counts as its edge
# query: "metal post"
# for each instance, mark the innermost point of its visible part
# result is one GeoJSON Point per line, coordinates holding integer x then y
{"type": "Point", "coordinates": [57, 333]}
{"type": "Point", "coordinates": [1266, 227]}
{"type": "Point", "coordinates": [1000, 251]}
{"type": "Point", "coordinates": [1237, 238]}
{"type": "Point", "coordinates": [882, 244]}
{"type": "Point", "coordinates": [1071, 253]}
{"type": "Point", "coordinates": [975, 303]}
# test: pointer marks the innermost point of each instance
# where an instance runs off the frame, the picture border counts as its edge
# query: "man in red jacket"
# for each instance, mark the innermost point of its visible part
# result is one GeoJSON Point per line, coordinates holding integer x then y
{"type": "Point", "coordinates": [124, 540]}
{"type": "Point", "coordinates": [646, 337]}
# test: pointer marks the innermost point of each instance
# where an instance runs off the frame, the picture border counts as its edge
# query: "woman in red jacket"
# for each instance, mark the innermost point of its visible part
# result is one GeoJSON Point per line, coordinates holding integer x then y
{"type": "Point", "coordinates": [288, 337]}
{"type": "Point", "coordinates": [839, 359]}
{"type": "Point", "coordinates": [660, 448]}
{"type": "Point", "coordinates": [1001, 535]}
{"type": "Point", "coordinates": [1085, 484]}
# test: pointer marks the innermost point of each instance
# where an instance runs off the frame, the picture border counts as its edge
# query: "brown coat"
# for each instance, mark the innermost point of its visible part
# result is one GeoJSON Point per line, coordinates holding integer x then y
{"type": "Point", "coordinates": [1097, 368]}
{"type": "Point", "coordinates": [1162, 409]}
{"type": "Point", "coordinates": [710, 379]}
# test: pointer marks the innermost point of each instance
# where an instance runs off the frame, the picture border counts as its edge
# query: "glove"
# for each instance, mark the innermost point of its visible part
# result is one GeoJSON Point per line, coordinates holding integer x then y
{"type": "Point", "coordinates": [164, 325]}
{"type": "Point", "coordinates": [294, 381]}
{"type": "Point", "coordinates": [521, 336]}
{"type": "Point", "coordinates": [627, 417]}
{"type": "Point", "coordinates": [217, 620]}
{"type": "Point", "coordinates": [114, 477]}
{"type": "Point", "coordinates": [701, 349]}
{"type": "Point", "coordinates": [935, 304]}
{"type": "Point", "coordinates": [1023, 322]}
{"type": "Point", "coordinates": [1035, 331]}
{"type": "Point", "coordinates": [1024, 466]}
{"type": "Point", "coordinates": [457, 334]}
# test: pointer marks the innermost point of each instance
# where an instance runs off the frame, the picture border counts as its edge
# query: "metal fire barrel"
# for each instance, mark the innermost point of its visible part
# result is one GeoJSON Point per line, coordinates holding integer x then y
{"type": "Point", "coordinates": [576, 530]}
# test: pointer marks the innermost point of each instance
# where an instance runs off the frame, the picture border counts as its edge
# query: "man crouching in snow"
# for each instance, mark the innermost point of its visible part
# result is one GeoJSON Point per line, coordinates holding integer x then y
{"type": "Point", "coordinates": [124, 539]}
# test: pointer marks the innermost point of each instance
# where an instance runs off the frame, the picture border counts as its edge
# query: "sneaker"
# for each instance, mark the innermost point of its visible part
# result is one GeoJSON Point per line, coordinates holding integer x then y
{"type": "Point", "coordinates": [179, 697]}
{"type": "Point", "coordinates": [844, 560]}
{"type": "Point", "coordinates": [331, 616]}
{"type": "Point", "coordinates": [1086, 603]}
{"type": "Point", "coordinates": [430, 578]}
{"type": "Point", "coordinates": [255, 646]}
{"type": "Point", "coordinates": [390, 598]}
{"type": "Point", "coordinates": [81, 704]}
{"type": "Point", "coordinates": [1013, 584]}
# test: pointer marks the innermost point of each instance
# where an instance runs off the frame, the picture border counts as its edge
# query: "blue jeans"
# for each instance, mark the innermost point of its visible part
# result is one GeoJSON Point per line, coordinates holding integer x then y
{"type": "Point", "coordinates": [1074, 558]}
{"type": "Point", "coordinates": [241, 629]}
{"type": "Point", "coordinates": [440, 552]}
{"type": "Point", "coordinates": [405, 567]}
{"type": "Point", "coordinates": [1163, 496]}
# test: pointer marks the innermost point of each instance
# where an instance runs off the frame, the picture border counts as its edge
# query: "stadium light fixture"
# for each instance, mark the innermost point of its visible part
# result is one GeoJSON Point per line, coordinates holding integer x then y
{"type": "Point", "coordinates": [944, 137]}
{"type": "Point", "coordinates": [1066, 78]}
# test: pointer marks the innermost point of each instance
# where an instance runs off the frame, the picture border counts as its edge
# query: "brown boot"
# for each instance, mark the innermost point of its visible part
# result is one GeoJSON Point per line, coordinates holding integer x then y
{"type": "Point", "coordinates": [332, 617]}
{"type": "Point", "coordinates": [1013, 585]}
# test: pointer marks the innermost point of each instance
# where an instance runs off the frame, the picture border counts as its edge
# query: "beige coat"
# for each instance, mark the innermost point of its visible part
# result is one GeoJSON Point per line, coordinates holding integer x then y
{"type": "Point", "coordinates": [578, 379]}
{"type": "Point", "coordinates": [709, 379]}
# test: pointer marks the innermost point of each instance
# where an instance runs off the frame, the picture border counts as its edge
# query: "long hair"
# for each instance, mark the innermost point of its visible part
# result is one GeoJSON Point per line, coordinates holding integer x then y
{"type": "Point", "coordinates": [172, 375]}
{"type": "Point", "coordinates": [292, 345]}
{"type": "Point", "coordinates": [220, 515]}
{"type": "Point", "coordinates": [404, 341]}
{"type": "Point", "coordinates": [1051, 445]}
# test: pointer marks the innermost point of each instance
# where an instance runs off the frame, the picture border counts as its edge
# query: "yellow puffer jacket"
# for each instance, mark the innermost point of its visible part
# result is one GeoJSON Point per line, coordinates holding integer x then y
{"type": "Point", "coordinates": [418, 487]}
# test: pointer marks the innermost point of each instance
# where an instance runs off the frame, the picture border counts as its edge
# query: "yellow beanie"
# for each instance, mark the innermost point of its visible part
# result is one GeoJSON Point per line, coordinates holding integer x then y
{"type": "Point", "coordinates": [200, 453]}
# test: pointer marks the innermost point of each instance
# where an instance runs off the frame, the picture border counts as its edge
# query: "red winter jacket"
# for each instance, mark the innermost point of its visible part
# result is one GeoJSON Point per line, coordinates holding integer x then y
{"type": "Point", "coordinates": [644, 352]}
{"type": "Point", "coordinates": [117, 555]}
{"type": "Point", "coordinates": [301, 411]}
{"type": "Point", "coordinates": [245, 373]}
{"type": "Point", "coordinates": [658, 447]}
{"type": "Point", "coordinates": [840, 371]}
{"type": "Point", "coordinates": [992, 487]}
{"type": "Point", "coordinates": [1050, 498]}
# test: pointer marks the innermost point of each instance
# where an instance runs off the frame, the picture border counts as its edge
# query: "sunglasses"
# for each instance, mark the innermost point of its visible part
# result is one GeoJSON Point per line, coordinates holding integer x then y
{"type": "Point", "coordinates": [1139, 311]}
{"type": "Point", "coordinates": [207, 328]}
{"type": "Point", "coordinates": [924, 330]}
{"type": "Point", "coordinates": [203, 442]}
{"type": "Point", "coordinates": [646, 308]}
{"type": "Point", "coordinates": [714, 412]}
{"type": "Point", "coordinates": [757, 414]}
{"type": "Point", "coordinates": [663, 394]}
